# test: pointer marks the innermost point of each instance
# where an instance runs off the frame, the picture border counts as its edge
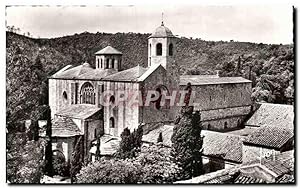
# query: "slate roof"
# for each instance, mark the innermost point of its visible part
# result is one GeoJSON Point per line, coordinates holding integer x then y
{"type": "Point", "coordinates": [222, 145]}
{"type": "Point", "coordinates": [131, 74]}
{"type": "Point", "coordinates": [280, 168]}
{"type": "Point", "coordinates": [79, 111]}
{"type": "Point", "coordinates": [243, 132]}
{"type": "Point", "coordinates": [149, 71]}
{"type": "Point", "coordinates": [84, 71]}
{"type": "Point", "coordinates": [162, 31]}
{"type": "Point", "coordinates": [64, 127]}
{"type": "Point", "coordinates": [108, 50]}
{"type": "Point", "coordinates": [275, 115]}
{"type": "Point", "coordinates": [272, 137]}
{"type": "Point", "coordinates": [211, 80]}
{"type": "Point", "coordinates": [286, 178]}
{"type": "Point", "coordinates": [152, 136]}
{"type": "Point", "coordinates": [243, 179]}
{"type": "Point", "coordinates": [108, 145]}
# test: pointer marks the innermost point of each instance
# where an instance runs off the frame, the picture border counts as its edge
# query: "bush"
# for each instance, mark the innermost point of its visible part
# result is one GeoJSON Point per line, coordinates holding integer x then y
{"type": "Point", "coordinates": [152, 165]}
{"type": "Point", "coordinates": [25, 163]}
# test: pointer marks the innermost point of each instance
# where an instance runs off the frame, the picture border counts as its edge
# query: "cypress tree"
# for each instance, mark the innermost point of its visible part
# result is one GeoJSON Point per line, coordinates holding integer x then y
{"type": "Point", "coordinates": [187, 143]}
{"type": "Point", "coordinates": [48, 151]}
{"type": "Point", "coordinates": [77, 158]}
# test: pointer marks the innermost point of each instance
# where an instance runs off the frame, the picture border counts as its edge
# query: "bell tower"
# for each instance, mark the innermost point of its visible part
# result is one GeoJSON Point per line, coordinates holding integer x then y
{"type": "Point", "coordinates": [161, 47]}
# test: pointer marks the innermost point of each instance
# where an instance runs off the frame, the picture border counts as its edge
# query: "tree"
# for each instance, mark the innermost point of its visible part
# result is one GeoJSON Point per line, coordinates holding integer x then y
{"type": "Point", "coordinates": [152, 165]}
{"type": "Point", "coordinates": [130, 143]}
{"type": "Point", "coordinates": [187, 143]}
{"type": "Point", "coordinates": [113, 171]}
{"type": "Point", "coordinates": [157, 166]}
{"type": "Point", "coordinates": [98, 154]}
{"type": "Point", "coordinates": [48, 150]}
{"type": "Point", "coordinates": [76, 158]}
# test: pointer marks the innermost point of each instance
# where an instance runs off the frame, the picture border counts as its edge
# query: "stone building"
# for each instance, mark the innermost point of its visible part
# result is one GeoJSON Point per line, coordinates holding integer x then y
{"type": "Point", "coordinates": [224, 102]}
{"type": "Point", "coordinates": [77, 93]}
{"type": "Point", "coordinates": [77, 90]}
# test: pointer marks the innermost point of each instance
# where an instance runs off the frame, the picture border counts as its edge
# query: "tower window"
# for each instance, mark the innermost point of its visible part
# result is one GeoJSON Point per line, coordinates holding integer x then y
{"type": "Point", "coordinates": [98, 63]}
{"type": "Point", "coordinates": [171, 49]}
{"type": "Point", "coordinates": [107, 64]}
{"type": "Point", "coordinates": [101, 63]}
{"type": "Point", "coordinates": [111, 122]}
{"type": "Point", "coordinates": [65, 96]}
{"type": "Point", "coordinates": [150, 50]}
{"type": "Point", "coordinates": [159, 49]}
{"type": "Point", "coordinates": [113, 63]}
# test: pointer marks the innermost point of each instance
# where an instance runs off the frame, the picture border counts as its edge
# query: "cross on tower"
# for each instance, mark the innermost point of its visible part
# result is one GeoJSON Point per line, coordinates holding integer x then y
{"type": "Point", "coordinates": [162, 19]}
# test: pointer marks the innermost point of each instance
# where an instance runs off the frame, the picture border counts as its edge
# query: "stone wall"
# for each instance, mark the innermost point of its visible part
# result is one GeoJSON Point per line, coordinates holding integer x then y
{"type": "Point", "coordinates": [58, 86]}
{"type": "Point", "coordinates": [150, 114]}
{"type": "Point", "coordinates": [63, 145]}
{"type": "Point", "coordinates": [123, 114]}
{"type": "Point", "coordinates": [222, 119]}
{"type": "Point", "coordinates": [209, 97]}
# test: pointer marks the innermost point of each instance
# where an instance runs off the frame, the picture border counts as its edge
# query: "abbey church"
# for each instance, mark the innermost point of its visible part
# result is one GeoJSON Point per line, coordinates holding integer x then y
{"type": "Point", "coordinates": [75, 96]}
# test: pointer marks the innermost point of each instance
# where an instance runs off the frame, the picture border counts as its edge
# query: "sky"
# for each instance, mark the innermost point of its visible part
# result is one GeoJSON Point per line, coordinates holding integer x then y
{"type": "Point", "coordinates": [249, 23]}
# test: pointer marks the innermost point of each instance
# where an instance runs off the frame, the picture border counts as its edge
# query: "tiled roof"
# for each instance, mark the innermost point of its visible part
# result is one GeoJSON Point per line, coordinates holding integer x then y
{"type": "Point", "coordinates": [84, 71]}
{"type": "Point", "coordinates": [243, 132]}
{"type": "Point", "coordinates": [108, 145]}
{"type": "Point", "coordinates": [211, 80]}
{"type": "Point", "coordinates": [79, 111]}
{"type": "Point", "coordinates": [108, 50]}
{"type": "Point", "coordinates": [219, 180]}
{"type": "Point", "coordinates": [162, 31]}
{"type": "Point", "coordinates": [275, 115]}
{"type": "Point", "coordinates": [272, 137]}
{"type": "Point", "coordinates": [280, 168]}
{"type": "Point", "coordinates": [152, 136]}
{"type": "Point", "coordinates": [212, 177]}
{"type": "Point", "coordinates": [243, 179]}
{"type": "Point", "coordinates": [149, 71]}
{"type": "Point", "coordinates": [64, 127]}
{"type": "Point", "coordinates": [222, 145]}
{"type": "Point", "coordinates": [286, 178]}
{"type": "Point", "coordinates": [279, 165]}
{"type": "Point", "coordinates": [131, 74]}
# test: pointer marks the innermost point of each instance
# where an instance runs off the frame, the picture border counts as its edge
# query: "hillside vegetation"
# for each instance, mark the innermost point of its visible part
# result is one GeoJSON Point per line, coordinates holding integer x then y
{"type": "Point", "coordinates": [29, 61]}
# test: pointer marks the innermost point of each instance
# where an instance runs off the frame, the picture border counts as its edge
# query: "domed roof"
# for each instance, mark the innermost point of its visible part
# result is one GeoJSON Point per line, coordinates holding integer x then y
{"type": "Point", "coordinates": [86, 65]}
{"type": "Point", "coordinates": [162, 31]}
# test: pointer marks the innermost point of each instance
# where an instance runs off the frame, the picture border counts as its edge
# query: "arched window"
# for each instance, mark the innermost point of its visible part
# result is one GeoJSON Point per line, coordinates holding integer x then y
{"type": "Point", "coordinates": [158, 49]}
{"type": "Point", "coordinates": [87, 94]}
{"type": "Point", "coordinates": [113, 63]}
{"type": "Point", "coordinates": [95, 133]}
{"type": "Point", "coordinates": [107, 63]}
{"type": "Point", "coordinates": [101, 63]}
{"type": "Point", "coordinates": [225, 125]}
{"type": "Point", "coordinates": [112, 100]}
{"type": "Point", "coordinates": [161, 90]}
{"type": "Point", "coordinates": [111, 122]}
{"type": "Point", "coordinates": [98, 64]}
{"type": "Point", "coordinates": [208, 126]}
{"type": "Point", "coordinates": [65, 96]}
{"type": "Point", "coordinates": [157, 103]}
{"type": "Point", "coordinates": [171, 49]}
